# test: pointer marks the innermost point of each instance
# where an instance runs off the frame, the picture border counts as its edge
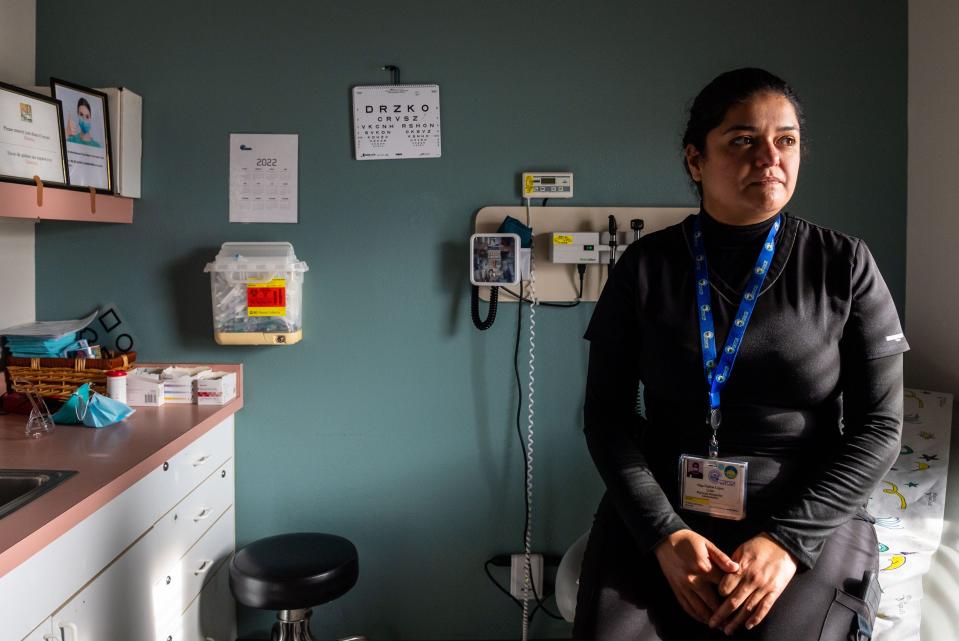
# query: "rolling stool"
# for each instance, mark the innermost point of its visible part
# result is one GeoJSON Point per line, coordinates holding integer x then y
{"type": "Point", "coordinates": [292, 573]}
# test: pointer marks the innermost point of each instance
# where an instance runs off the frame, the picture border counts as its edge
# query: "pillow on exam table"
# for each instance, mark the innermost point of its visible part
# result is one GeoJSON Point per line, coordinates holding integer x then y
{"type": "Point", "coordinates": [940, 603]}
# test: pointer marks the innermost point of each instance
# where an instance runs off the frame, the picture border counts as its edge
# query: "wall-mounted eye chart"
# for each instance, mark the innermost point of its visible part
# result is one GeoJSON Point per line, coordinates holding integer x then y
{"type": "Point", "coordinates": [396, 121]}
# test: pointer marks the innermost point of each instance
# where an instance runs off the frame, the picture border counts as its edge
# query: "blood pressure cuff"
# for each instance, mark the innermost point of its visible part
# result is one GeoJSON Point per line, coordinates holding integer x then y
{"type": "Point", "coordinates": [512, 226]}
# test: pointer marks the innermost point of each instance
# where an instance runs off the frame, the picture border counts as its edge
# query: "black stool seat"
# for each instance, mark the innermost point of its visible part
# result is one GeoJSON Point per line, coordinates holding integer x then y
{"type": "Point", "coordinates": [293, 571]}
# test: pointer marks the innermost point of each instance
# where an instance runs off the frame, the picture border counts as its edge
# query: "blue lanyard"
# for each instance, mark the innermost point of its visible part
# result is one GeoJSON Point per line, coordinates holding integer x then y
{"type": "Point", "coordinates": [717, 374]}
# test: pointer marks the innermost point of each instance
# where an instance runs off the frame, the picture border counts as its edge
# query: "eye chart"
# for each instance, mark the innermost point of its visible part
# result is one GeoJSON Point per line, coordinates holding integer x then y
{"type": "Point", "coordinates": [396, 121]}
{"type": "Point", "coordinates": [263, 178]}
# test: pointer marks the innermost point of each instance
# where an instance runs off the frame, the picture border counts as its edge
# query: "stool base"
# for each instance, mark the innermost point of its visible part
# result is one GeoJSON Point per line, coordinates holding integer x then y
{"type": "Point", "coordinates": [292, 625]}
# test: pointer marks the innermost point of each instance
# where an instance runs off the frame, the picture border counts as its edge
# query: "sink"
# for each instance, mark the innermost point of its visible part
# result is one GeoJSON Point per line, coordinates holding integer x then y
{"type": "Point", "coordinates": [19, 487]}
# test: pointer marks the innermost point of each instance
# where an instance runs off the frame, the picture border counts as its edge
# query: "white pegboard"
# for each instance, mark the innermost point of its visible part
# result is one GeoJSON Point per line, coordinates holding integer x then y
{"type": "Point", "coordinates": [556, 283]}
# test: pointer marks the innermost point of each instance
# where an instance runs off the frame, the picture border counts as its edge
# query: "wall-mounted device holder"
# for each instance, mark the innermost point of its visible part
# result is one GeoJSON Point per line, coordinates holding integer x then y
{"type": "Point", "coordinates": [591, 247]}
{"type": "Point", "coordinates": [556, 281]}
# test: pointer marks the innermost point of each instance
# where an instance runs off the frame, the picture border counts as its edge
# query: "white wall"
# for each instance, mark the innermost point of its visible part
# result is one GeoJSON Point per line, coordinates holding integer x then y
{"type": "Point", "coordinates": [18, 46]}
{"type": "Point", "coordinates": [932, 262]}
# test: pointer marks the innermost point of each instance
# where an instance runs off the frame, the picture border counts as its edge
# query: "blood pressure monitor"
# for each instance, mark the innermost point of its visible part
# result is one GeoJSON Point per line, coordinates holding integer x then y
{"type": "Point", "coordinates": [494, 259]}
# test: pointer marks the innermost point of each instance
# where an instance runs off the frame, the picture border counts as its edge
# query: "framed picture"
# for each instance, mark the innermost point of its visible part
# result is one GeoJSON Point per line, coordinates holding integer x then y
{"type": "Point", "coordinates": [86, 128]}
{"type": "Point", "coordinates": [31, 137]}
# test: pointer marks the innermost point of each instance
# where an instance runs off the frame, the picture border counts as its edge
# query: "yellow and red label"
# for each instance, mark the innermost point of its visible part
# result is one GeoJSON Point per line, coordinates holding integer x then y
{"type": "Point", "coordinates": [266, 299]}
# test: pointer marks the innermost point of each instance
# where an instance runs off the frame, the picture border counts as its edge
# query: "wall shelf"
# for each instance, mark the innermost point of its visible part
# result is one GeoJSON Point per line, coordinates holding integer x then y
{"type": "Point", "coordinates": [20, 201]}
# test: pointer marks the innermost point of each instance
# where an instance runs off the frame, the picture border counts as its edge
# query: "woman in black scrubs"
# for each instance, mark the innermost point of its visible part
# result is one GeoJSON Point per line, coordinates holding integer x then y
{"type": "Point", "coordinates": [813, 405]}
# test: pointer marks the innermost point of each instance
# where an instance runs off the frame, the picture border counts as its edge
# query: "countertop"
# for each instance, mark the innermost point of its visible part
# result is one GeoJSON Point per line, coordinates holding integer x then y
{"type": "Point", "coordinates": [107, 460]}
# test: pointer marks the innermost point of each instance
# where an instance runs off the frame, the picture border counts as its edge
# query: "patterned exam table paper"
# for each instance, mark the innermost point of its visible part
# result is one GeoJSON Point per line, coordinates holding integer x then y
{"type": "Point", "coordinates": [908, 506]}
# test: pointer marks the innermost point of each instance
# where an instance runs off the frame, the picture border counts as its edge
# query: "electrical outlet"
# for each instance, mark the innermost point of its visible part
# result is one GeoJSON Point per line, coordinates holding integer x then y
{"type": "Point", "coordinates": [517, 573]}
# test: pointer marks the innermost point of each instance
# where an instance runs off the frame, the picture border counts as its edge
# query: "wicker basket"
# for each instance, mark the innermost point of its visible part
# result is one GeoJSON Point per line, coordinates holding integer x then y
{"type": "Point", "coordinates": [59, 377]}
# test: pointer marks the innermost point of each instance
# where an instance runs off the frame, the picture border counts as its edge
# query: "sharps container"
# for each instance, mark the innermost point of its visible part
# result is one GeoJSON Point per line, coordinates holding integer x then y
{"type": "Point", "coordinates": [257, 293]}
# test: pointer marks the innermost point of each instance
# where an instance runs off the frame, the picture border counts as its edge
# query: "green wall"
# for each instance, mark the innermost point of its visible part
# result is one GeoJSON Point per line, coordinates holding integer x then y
{"type": "Point", "coordinates": [391, 423]}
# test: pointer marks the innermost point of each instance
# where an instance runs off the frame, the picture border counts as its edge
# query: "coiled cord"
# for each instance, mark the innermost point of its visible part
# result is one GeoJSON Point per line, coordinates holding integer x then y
{"type": "Point", "coordinates": [530, 413]}
{"type": "Point", "coordinates": [483, 325]}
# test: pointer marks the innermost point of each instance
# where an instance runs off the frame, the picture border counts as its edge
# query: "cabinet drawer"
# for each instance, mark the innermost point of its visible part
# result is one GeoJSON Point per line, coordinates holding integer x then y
{"type": "Point", "coordinates": [173, 592]}
{"type": "Point", "coordinates": [183, 526]}
{"type": "Point", "coordinates": [116, 605]}
{"type": "Point", "coordinates": [211, 616]}
{"type": "Point", "coordinates": [189, 467]}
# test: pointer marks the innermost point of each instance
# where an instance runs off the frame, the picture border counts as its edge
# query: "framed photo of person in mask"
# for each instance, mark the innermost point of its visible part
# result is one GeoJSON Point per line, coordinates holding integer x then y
{"type": "Point", "coordinates": [86, 128]}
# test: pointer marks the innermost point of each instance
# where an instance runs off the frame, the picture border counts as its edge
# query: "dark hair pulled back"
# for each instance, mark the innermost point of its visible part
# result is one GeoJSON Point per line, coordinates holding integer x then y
{"type": "Point", "coordinates": [727, 89]}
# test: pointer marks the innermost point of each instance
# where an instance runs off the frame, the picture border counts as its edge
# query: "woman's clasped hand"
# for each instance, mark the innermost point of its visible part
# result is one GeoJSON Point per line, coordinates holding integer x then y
{"type": "Point", "coordinates": [722, 591]}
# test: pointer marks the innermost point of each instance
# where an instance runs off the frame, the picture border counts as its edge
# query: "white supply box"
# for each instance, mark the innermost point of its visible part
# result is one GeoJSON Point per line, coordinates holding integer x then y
{"type": "Point", "coordinates": [180, 383]}
{"type": "Point", "coordinates": [218, 388]}
{"type": "Point", "coordinates": [126, 142]}
{"type": "Point", "coordinates": [144, 387]}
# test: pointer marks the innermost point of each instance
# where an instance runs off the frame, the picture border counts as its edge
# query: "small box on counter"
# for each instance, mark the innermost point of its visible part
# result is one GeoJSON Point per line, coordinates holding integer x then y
{"type": "Point", "coordinates": [218, 388]}
{"type": "Point", "coordinates": [180, 383]}
{"type": "Point", "coordinates": [144, 387]}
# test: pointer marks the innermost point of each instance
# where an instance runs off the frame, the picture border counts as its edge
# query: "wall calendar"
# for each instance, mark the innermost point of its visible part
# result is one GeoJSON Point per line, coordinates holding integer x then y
{"type": "Point", "coordinates": [396, 121]}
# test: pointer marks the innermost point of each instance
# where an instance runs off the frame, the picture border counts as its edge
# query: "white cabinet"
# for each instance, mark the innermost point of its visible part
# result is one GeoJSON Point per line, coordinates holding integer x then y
{"type": "Point", "coordinates": [115, 606]}
{"type": "Point", "coordinates": [182, 526]}
{"type": "Point", "coordinates": [175, 589]}
{"type": "Point", "coordinates": [204, 619]}
{"type": "Point", "coordinates": [160, 542]}
{"type": "Point", "coordinates": [125, 603]}
{"type": "Point", "coordinates": [44, 633]}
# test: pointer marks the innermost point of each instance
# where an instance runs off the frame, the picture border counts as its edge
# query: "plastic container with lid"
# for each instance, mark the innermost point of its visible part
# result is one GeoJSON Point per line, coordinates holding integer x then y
{"type": "Point", "coordinates": [257, 293]}
{"type": "Point", "coordinates": [117, 385]}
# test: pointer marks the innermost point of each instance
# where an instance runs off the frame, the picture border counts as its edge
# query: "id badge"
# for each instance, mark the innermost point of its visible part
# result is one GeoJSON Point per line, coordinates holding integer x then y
{"type": "Point", "coordinates": [713, 486]}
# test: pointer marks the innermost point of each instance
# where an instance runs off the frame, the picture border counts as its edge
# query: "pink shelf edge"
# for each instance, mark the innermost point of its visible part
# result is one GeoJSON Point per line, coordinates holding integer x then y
{"type": "Point", "coordinates": [20, 201]}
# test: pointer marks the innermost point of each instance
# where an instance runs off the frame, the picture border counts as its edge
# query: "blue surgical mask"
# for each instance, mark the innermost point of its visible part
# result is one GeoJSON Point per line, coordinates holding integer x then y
{"type": "Point", "coordinates": [91, 409]}
{"type": "Point", "coordinates": [84, 125]}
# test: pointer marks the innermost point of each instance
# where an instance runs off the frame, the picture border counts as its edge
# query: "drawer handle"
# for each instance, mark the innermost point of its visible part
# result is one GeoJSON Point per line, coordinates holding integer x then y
{"type": "Point", "coordinates": [204, 513]}
{"type": "Point", "coordinates": [72, 627]}
{"type": "Point", "coordinates": [204, 567]}
{"type": "Point", "coordinates": [200, 461]}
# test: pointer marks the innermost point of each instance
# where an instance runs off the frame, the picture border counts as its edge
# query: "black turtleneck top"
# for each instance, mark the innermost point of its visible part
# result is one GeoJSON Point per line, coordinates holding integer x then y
{"type": "Point", "coordinates": [814, 402]}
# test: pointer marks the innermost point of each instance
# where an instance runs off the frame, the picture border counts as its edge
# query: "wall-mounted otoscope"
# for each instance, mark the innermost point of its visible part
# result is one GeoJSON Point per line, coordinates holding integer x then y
{"type": "Point", "coordinates": [612, 241]}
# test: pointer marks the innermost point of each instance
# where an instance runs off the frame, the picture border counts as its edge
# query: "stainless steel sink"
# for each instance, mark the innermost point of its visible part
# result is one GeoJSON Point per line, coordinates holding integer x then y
{"type": "Point", "coordinates": [19, 487]}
